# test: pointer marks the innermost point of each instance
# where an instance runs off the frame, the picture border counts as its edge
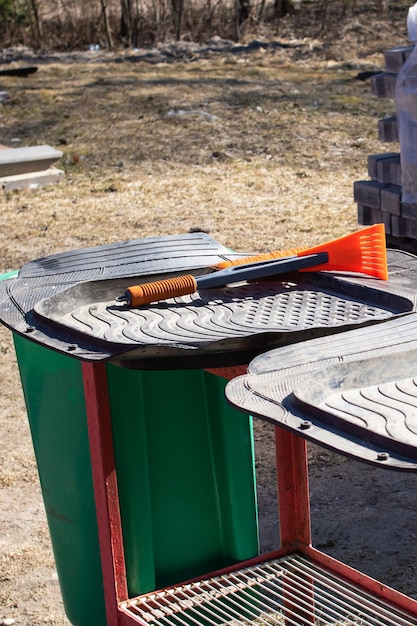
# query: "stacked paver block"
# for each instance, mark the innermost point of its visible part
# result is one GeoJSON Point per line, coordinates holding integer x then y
{"type": "Point", "coordinates": [379, 199]}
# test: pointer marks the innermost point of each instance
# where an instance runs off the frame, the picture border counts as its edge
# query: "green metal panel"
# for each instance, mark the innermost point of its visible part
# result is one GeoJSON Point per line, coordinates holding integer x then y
{"type": "Point", "coordinates": [53, 390]}
{"type": "Point", "coordinates": [184, 462]}
{"type": "Point", "coordinates": [186, 475]}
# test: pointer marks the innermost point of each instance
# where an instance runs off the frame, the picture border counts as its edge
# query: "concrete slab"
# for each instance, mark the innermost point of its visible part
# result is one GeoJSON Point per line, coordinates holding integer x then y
{"type": "Point", "coordinates": [399, 226]}
{"type": "Point", "coordinates": [388, 129]}
{"type": "Point", "coordinates": [383, 85]}
{"type": "Point", "coordinates": [16, 161]}
{"type": "Point", "coordinates": [396, 57]}
{"type": "Point", "coordinates": [409, 211]}
{"type": "Point", "coordinates": [391, 199]}
{"type": "Point", "coordinates": [31, 180]}
{"type": "Point", "coordinates": [389, 170]}
{"type": "Point", "coordinates": [373, 160]}
{"type": "Point", "coordinates": [368, 193]}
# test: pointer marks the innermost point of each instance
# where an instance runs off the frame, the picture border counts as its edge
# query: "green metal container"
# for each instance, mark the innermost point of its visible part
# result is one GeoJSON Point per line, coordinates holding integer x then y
{"type": "Point", "coordinates": [185, 470]}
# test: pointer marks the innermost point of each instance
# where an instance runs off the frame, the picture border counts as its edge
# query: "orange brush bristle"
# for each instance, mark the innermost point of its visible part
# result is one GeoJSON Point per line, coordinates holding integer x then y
{"type": "Point", "coordinates": [363, 252]}
{"type": "Point", "coordinates": [276, 254]}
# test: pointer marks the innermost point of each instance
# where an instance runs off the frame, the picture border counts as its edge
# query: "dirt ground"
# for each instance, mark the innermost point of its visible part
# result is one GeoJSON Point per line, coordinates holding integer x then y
{"type": "Point", "coordinates": [290, 131]}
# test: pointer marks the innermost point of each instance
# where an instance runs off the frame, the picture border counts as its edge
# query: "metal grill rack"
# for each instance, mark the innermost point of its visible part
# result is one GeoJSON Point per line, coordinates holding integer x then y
{"type": "Point", "coordinates": [289, 591]}
{"type": "Point", "coordinates": [296, 586]}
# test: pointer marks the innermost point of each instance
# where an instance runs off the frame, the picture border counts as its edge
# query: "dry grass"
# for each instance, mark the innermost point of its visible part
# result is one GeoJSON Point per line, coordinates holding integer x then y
{"type": "Point", "coordinates": [275, 169]}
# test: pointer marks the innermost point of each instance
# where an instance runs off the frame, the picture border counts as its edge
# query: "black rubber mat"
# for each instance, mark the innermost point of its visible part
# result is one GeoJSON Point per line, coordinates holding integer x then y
{"type": "Point", "coordinates": [354, 393]}
{"type": "Point", "coordinates": [68, 302]}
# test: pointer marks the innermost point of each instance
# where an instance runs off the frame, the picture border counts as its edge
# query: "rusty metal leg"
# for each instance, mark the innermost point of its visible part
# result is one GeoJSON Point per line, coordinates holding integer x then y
{"type": "Point", "coordinates": [294, 519]}
{"type": "Point", "coordinates": [293, 494]}
{"type": "Point", "coordinates": [105, 488]}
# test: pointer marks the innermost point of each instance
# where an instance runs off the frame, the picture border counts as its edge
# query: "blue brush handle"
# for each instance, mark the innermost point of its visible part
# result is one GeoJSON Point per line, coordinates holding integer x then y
{"type": "Point", "coordinates": [260, 269]}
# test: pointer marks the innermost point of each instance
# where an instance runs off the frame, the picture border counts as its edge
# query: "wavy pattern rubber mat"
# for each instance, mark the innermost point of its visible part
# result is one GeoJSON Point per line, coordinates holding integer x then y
{"type": "Point", "coordinates": [355, 392]}
{"type": "Point", "coordinates": [217, 314]}
{"type": "Point", "coordinates": [68, 302]}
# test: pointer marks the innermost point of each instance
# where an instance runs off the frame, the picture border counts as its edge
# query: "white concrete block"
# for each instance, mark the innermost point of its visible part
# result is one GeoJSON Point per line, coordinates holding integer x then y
{"type": "Point", "coordinates": [31, 180]}
{"type": "Point", "coordinates": [31, 159]}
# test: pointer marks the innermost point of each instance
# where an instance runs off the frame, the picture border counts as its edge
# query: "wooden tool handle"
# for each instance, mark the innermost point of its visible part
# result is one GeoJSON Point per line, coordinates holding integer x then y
{"type": "Point", "coordinates": [160, 290]}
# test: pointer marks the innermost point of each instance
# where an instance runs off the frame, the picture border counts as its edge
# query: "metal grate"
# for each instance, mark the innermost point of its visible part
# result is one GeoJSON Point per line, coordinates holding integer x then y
{"type": "Point", "coordinates": [291, 591]}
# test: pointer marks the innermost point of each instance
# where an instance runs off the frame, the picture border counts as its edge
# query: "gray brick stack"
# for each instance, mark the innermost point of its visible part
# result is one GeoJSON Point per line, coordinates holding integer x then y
{"type": "Point", "coordinates": [379, 199]}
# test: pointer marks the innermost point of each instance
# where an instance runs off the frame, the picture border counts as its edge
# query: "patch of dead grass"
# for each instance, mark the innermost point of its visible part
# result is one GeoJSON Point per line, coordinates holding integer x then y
{"type": "Point", "coordinates": [274, 169]}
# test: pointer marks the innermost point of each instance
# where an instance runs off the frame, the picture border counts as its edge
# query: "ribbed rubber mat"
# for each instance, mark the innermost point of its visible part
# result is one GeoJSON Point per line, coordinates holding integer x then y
{"type": "Point", "coordinates": [351, 392]}
{"type": "Point", "coordinates": [68, 302]}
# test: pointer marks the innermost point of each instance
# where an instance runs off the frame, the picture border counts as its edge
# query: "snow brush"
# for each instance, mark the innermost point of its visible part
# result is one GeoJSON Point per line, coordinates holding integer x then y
{"type": "Point", "coordinates": [361, 252]}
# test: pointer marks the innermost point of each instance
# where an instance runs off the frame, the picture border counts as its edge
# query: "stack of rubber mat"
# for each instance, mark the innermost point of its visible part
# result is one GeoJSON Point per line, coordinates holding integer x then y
{"type": "Point", "coordinates": [67, 302]}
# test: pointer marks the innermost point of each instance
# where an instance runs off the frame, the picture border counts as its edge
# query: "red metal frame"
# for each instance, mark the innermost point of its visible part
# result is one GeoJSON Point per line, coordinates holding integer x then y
{"type": "Point", "coordinates": [293, 492]}
{"type": "Point", "coordinates": [105, 488]}
{"type": "Point", "coordinates": [293, 496]}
